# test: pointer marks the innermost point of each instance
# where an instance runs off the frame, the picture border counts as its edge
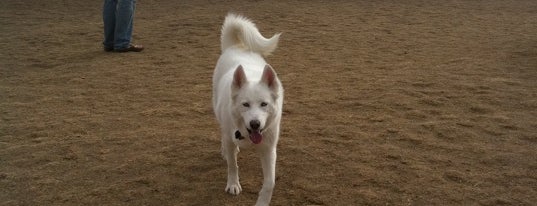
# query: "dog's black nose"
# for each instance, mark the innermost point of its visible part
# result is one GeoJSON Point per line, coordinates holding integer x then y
{"type": "Point", "coordinates": [254, 124]}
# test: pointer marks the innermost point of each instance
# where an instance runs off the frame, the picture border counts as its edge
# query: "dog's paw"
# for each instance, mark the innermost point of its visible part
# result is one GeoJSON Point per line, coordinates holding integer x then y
{"type": "Point", "coordinates": [261, 203]}
{"type": "Point", "coordinates": [234, 188]}
{"type": "Point", "coordinates": [263, 199]}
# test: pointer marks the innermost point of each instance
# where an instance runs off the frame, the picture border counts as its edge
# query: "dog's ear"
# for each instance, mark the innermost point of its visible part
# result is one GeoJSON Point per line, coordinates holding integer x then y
{"type": "Point", "coordinates": [239, 78]}
{"type": "Point", "coordinates": [269, 78]}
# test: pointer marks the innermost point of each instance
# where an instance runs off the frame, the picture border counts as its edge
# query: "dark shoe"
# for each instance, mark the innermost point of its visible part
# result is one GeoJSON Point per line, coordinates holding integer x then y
{"type": "Point", "coordinates": [108, 49]}
{"type": "Point", "coordinates": [131, 48]}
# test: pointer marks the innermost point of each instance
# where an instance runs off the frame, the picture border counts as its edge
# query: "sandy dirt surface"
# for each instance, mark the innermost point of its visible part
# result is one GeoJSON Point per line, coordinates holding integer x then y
{"type": "Point", "coordinates": [387, 103]}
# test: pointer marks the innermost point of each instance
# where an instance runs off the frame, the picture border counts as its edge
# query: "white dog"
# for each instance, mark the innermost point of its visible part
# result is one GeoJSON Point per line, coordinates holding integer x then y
{"type": "Point", "coordinates": [247, 100]}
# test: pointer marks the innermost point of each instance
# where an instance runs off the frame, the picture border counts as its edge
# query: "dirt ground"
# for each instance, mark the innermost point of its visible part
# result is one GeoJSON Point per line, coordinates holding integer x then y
{"type": "Point", "coordinates": [387, 103]}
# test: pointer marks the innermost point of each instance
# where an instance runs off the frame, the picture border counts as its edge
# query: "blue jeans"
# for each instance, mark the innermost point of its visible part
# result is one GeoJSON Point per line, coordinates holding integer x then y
{"type": "Point", "coordinates": [118, 16]}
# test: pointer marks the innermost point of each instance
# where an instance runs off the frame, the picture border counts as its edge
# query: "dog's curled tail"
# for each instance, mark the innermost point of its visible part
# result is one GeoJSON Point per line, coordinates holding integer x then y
{"type": "Point", "coordinates": [240, 31]}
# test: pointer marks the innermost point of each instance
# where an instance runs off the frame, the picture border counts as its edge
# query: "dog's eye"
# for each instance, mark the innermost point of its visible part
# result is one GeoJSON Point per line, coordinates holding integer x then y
{"type": "Point", "coordinates": [264, 104]}
{"type": "Point", "coordinates": [245, 104]}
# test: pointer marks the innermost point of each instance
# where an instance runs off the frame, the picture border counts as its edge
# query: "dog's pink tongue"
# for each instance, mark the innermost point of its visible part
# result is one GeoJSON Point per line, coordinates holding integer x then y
{"type": "Point", "coordinates": [256, 137]}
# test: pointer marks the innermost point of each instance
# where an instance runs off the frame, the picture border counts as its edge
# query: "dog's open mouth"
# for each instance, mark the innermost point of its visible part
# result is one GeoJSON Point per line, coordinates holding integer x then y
{"type": "Point", "coordinates": [255, 136]}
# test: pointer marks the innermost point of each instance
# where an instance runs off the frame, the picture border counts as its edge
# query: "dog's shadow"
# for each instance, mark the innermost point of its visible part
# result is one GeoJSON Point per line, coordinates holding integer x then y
{"type": "Point", "coordinates": [207, 177]}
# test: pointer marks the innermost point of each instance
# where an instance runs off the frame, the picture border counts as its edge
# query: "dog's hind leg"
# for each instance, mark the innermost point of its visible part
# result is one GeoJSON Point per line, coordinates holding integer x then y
{"type": "Point", "coordinates": [229, 151]}
{"type": "Point", "coordinates": [268, 162]}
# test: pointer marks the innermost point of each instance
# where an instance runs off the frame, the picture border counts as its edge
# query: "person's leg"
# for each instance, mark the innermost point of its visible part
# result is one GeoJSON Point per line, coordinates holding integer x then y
{"type": "Point", "coordinates": [124, 22]}
{"type": "Point", "coordinates": [109, 21]}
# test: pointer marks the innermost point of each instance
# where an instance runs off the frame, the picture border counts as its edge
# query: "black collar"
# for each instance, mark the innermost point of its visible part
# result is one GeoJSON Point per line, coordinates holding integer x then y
{"type": "Point", "coordinates": [238, 135]}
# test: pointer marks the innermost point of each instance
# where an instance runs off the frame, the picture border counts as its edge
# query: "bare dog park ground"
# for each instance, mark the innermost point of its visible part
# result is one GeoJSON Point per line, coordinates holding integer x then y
{"type": "Point", "coordinates": [387, 103]}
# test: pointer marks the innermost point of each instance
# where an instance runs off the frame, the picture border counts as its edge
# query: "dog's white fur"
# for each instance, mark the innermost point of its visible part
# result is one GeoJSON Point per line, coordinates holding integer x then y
{"type": "Point", "coordinates": [247, 94]}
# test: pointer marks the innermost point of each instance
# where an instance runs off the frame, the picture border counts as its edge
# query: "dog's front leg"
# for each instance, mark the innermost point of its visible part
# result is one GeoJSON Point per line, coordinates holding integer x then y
{"type": "Point", "coordinates": [230, 150]}
{"type": "Point", "coordinates": [268, 162]}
